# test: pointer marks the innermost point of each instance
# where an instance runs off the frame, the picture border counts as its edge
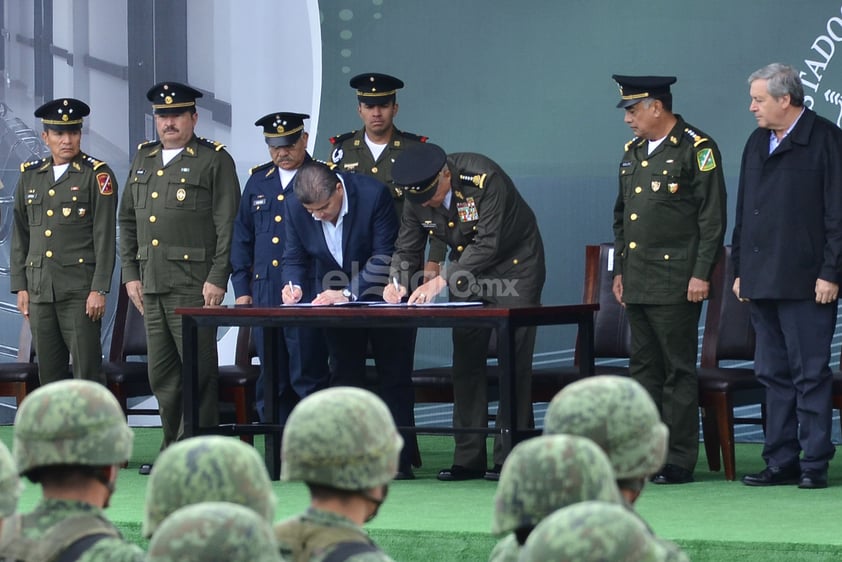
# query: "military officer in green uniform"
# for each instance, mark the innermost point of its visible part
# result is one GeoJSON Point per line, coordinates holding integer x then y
{"type": "Point", "coordinates": [176, 222]}
{"type": "Point", "coordinates": [63, 247]}
{"type": "Point", "coordinates": [373, 149]}
{"type": "Point", "coordinates": [669, 224]}
{"type": "Point", "coordinates": [497, 257]}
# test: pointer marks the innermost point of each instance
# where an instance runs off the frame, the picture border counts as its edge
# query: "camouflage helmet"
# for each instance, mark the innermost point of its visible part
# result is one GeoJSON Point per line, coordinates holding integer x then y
{"type": "Point", "coordinates": [593, 531]}
{"type": "Point", "coordinates": [71, 421]}
{"type": "Point", "coordinates": [341, 437]}
{"type": "Point", "coordinates": [207, 468]}
{"type": "Point", "coordinates": [546, 473]}
{"type": "Point", "coordinates": [10, 484]}
{"type": "Point", "coordinates": [214, 531]}
{"type": "Point", "coordinates": [618, 415]}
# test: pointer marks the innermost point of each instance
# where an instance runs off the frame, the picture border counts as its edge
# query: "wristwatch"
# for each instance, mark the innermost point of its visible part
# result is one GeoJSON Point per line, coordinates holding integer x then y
{"type": "Point", "coordinates": [103, 293]}
{"type": "Point", "coordinates": [346, 292]}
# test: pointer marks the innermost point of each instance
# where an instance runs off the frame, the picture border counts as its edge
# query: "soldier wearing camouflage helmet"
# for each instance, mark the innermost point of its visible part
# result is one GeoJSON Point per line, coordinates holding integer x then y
{"type": "Point", "coordinates": [213, 532]}
{"type": "Point", "coordinates": [342, 442]}
{"type": "Point", "coordinates": [593, 531]}
{"type": "Point", "coordinates": [203, 469]}
{"type": "Point", "coordinates": [540, 476]}
{"type": "Point", "coordinates": [618, 415]}
{"type": "Point", "coordinates": [71, 438]}
{"type": "Point", "coordinates": [10, 485]}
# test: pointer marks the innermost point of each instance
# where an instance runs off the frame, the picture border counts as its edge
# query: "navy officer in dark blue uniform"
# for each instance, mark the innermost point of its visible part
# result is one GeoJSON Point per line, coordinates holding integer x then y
{"type": "Point", "coordinates": [256, 254]}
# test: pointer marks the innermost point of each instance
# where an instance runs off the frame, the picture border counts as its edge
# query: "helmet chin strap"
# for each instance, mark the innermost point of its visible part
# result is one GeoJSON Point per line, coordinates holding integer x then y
{"type": "Point", "coordinates": [377, 502]}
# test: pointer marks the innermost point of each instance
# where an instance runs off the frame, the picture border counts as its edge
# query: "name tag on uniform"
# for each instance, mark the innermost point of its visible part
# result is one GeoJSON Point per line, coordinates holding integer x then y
{"type": "Point", "coordinates": [258, 201]}
{"type": "Point", "coordinates": [430, 226]}
{"type": "Point", "coordinates": [467, 210]}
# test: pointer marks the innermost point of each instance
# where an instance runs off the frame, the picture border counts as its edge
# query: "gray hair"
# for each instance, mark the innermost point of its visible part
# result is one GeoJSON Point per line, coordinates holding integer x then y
{"type": "Point", "coordinates": [314, 183]}
{"type": "Point", "coordinates": [781, 80]}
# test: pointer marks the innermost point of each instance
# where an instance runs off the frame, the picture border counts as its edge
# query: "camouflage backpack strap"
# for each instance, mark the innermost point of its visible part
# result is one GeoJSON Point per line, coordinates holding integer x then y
{"type": "Point", "coordinates": [67, 540]}
{"type": "Point", "coordinates": [306, 539]}
{"type": "Point", "coordinates": [345, 550]}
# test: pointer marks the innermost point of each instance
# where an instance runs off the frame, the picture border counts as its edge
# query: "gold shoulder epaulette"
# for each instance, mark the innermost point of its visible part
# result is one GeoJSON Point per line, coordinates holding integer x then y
{"type": "Point", "coordinates": [216, 145]}
{"type": "Point", "coordinates": [92, 162]}
{"type": "Point", "coordinates": [629, 144]}
{"type": "Point", "coordinates": [31, 164]}
{"type": "Point", "coordinates": [695, 137]}
{"type": "Point", "coordinates": [148, 144]}
{"type": "Point", "coordinates": [339, 139]}
{"type": "Point", "coordinates": [261, 167]}
{"type": "Point", "coordinates": [477, 180]}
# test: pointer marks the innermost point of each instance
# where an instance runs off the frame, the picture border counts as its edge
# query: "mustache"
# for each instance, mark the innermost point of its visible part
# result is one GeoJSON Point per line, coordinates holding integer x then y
{"type": "Point", "coordinates": [171, 129]}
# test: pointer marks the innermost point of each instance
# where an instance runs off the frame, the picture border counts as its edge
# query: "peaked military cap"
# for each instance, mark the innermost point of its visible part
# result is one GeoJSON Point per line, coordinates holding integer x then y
{"type": "Point", "coordinates": [417, 169]}
{"type": "Point", "coordinates": [172, 98]}
{"type": "Point", "coordinates": [635, 88]}
{"type": "Point", "coordinates": [64, 114]}
{"type": "Point", "coordinates": [375, 89]}
{"type": "Point", "coordinates": [282, 129]}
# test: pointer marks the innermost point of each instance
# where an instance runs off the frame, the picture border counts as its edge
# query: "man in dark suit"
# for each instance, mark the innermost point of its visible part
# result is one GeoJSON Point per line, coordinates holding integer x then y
{"type": "Point", "coordinates": [344, 226]}
{"type": "Point", "coordinates": [497, 257]}
{"type": "Point", "coordinates": [787, 255]}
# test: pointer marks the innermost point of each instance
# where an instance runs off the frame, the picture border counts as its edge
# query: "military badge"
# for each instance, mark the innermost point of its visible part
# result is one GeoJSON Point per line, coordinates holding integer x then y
{"type": "Point", "coordinates": [705, 160]}
{"type": "Point", "coordinates": [655, 185]}
{"type": "Point", "coordinates": [190, 150]}
{"type": "Point", "coordinates": [458, 194]}
{"type": "Point", "coordinates": [672, 187]}
{"type": "Point", "coordinates": [350, 167]}
{"type": "Point", "coordinates": [76, 166]}
{"type": "Point", "coordinates": [181, 194]}
{"type": "Point", "coordinates": [105, 185]}
{"type": "Point", "coordinates": [82, 212]}
{"type": "Point", "coordinates": [467, 210]}
{"type": "Point", "coordinates": [337, 155]}
{"type": "Point", "coordinates": [65, 211]}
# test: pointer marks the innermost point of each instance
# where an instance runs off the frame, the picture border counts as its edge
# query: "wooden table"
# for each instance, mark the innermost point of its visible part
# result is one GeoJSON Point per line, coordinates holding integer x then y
{"type": "Point", "coordinates": [503, 319]}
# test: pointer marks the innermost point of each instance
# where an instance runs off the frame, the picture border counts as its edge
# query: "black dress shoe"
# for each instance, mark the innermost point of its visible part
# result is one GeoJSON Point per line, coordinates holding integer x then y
{"type": "Point", "coordinates": [774, 476]}
{"type": "Point", "coordinates": [145, 469]}
{"type": "Point", "coordinates": [457, 472]}
{"type": "Point", "coordinates": [672, 474]}
{"type": "Point", "coordinates": [494, 474]}
{"type": "Point", "coordinates": [405, 473]}
{"type": "Point", "coordinates": [812, 479]}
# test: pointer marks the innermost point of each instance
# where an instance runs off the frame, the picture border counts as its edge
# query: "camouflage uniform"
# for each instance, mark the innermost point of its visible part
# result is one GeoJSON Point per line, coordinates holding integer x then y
{"type": "Point", "coordinates": [77, 423]}
{"type": "Point", "coordinates": [10, 485]}
{"type": "Point", "coordinates": [618, 415]}
{"type": "Point", "coordinates": [211, 531]}
{"type": "Point", "coordinates": [321, 446]}
{"type": "Point", "coordinates": [593, 531]}
{"type": "Point", "coordinates": [204, 469]}
{"type": "Point", "coordinates": [544, 474]}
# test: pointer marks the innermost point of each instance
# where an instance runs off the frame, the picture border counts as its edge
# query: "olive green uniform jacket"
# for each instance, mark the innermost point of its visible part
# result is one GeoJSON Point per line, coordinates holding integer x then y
{"type": "Point", "coordinates": [670, 214]}
{"type": "Point", "coordinates": [39, 533]}
{"type": "Point", "coordinates": [352, 155]}
{"type": "Point", "coordinates": [314, 535]}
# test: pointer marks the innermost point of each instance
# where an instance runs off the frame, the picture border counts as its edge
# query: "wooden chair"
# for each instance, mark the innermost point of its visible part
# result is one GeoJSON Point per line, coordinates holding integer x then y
{"type": "Point", "coordinates": [612, 340]}
{"type": "Point", "coordinates": [20, 377]}
{"type": "Point", "coordinates": [126, 370]}
{"type": "Point", "coordinates": [728, 336]}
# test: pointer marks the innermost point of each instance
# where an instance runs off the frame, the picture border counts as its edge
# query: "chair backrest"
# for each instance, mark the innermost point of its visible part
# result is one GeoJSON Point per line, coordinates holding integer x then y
{"type": "Point", "coordinates": [129, 335]}
{"type": "Point", "coordinates": [612, 334]}
{"type": "Point", "coordinates": [246, 349]}
{"type": "Point", "coordinates": [728, 333]}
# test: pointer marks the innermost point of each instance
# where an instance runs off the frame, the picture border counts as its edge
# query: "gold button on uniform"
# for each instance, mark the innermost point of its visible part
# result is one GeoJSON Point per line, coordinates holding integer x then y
{"type": "Point", "coordinates": [459, 248]}
{"type": "Point", "coordinates": [154, 195]}
{"type": "Point", "coordinates": [278, 218]}
{"type": "Point", "coordinates": [51, 192]}
{"type": "Point", "coordinates": [632, 245]}
{"type": "Point", "coordinates": [155, 242]}
{"type": "Point", "coordinates": [74, 198]}
{"type": "Point", "coordinates": [374, 170]}
{"type": "Point", "coordinates": [638, 189]}
{"type": "Point", "coordinates": [153, 218]}
{"type": "Point", "coordinates": [514, 261]}
{"type": "Point", "coordinates": [645, 163]}
{"type": "Point", "coordinates": [274, 263]}
{"type": "Point", "coordinates": [666, 256]}
{"type": "Point", "coordinates": [49, 211]}
{"type": "Point", "coordinates": [81, 260]}
{"type": "Point", "coordinates": [48, 233]}
{"type": "Point", "coordinates": [275, 240]}
{"type": "Point", "coordinates": [160, 172]}
{"type": "Point", "coordinates": [186, 256]}
{"type": "Point", "coordinates": [633, 216]}
{"type": "Point", "coordinates": [451, 224]}
{"type": "Point", "coordinates": [281, 197]}
{"type": "Point", "coordinates": [49, 253]}
{"type": "Point", "coordinates": [431, 233]}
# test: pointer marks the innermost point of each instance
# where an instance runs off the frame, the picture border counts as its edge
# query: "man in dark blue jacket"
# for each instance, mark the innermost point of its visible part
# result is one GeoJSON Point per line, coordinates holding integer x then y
{"type": "Point", "coordinates": [787, 252]}
{"type": "Point", "coordinates": [256, 252]}
{"type": "Point", "coordinates": [344, 226]}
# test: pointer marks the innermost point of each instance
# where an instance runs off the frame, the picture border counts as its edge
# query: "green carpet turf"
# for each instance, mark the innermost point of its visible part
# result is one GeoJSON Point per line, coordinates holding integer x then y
{"type": "Point", "coordinates": [423, 520]}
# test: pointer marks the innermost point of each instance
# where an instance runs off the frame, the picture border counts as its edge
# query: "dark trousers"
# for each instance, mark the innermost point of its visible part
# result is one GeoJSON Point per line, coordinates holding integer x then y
{"type": "Point", "coordinates": [61, 330]}
{"type": "Point", "coordinates": [393, 350]}
{"type": "Point", "coordinates": [792, 360]}
{"type": "Point", "coordinates": [664, 346]}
